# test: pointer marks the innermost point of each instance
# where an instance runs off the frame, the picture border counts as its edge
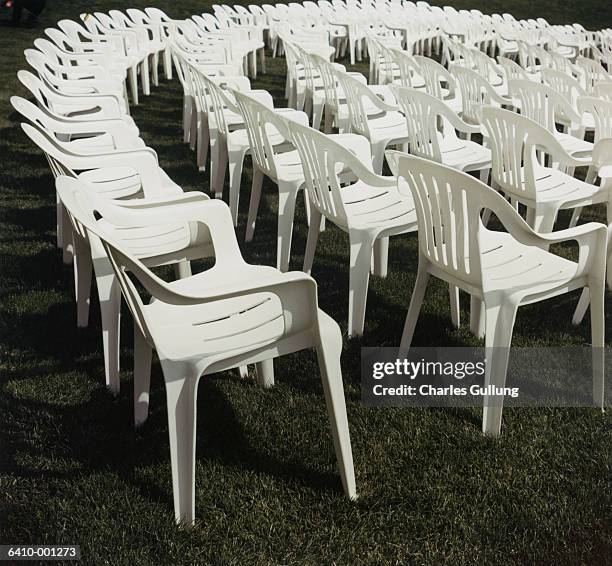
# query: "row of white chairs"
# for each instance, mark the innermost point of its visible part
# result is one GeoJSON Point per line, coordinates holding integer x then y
{"type": "Point", "coordinates": [125, 215]}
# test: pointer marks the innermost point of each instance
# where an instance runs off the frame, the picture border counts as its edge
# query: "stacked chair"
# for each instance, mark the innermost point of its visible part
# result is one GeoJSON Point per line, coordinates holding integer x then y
{"type": "Point", "coordinates": [451, 96]}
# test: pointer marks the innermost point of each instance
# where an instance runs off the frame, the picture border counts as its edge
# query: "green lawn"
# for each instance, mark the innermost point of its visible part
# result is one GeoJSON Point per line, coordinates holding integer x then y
{"type": "Point", "coordinates": [432, 488]}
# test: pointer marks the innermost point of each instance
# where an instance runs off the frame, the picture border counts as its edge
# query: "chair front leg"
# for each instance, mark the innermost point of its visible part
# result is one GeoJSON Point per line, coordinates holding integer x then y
{"type": "Point", "coordinates": [143, 354]}
{"type": "Point", "coordinates": [359, 277]}
{"type": "Point", "coordinates": [265, 373]}
{"type": "Point", "coordinates": [329, 350]}
{"type": "Point", "coordinates": [82, 279]}
{"type": "Point", "coordinates": [181, 398]}
{"type": "Point", "coordinates": [287, 195]}
{"type": "Point", "coordinates": [500, 313]}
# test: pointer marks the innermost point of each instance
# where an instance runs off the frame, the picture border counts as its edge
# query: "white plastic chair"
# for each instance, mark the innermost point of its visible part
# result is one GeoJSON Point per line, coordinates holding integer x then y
{"type": "Point", "coordinates": [370, 209]}
{"type": "Point", "coordinates": [519, 173]}
{"type": "Point", "coordinates": [432, 128]}
{"type": "Point", "coordinates": [232, 315]}
{"type": "Point", "coordinates": [547, 107]}
{"type": "Point", "coordinates": [455, 246]}
{"type": "Point", "coordinates": [74, 107]}
{"type": "Point", "coordinates": [388, 127]}
{"type": "Point", "coordinates": [115, 42]}
{"type": "Point", "coordinates": [439, 82]}
{"type": "Point", "coordinates": [476, 92]}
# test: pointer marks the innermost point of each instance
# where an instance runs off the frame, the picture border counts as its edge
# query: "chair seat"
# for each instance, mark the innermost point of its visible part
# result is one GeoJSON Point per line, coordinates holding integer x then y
{"type": "Point", "coordinates": [391, 125]}
{"type": "Point", "coordinates": [574, 145]}
{"type": "Point", "coordinates": [464, 155]}
{"type": "Point", "coordinates": [221, 328]}
{"type": "Point", "coordinates": [555, 186]}
{"type": "Point", "coordinates": [103, 143]}
{"type": "Point", "coordinates": [509, 266]}
{"type": "Point", "coordinates": [378, 207]}
{"type": "Point", "coordinates": [118, 182]}
{"type": "Point", "coordinates": [588, 122]}
{"type": "Point", "coordinates": [158, 244]}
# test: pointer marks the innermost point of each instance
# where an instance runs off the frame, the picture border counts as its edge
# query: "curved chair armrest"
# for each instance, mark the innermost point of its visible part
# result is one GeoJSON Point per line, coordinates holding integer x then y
{"type": "Point", "coordinates": [558, 152]}
{"type": "Point", "coordinates": [154, 203]}
{"type": "Point", "coordinates": [142, 161]}
{"type": "Point", "coordinates": [591, 237]}
{"type": "Point", "coordinates": [377, 101]}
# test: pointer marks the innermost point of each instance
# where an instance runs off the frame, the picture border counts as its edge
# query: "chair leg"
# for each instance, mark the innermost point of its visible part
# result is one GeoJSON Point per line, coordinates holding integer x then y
{"type": "Point", "coordinates": [155, 68]}
{"type": "Point", "coordinates": [328, 354]}
{"type": "Point", "coordinates": [418, 293]}
{"type": "Point", "coordinates": [110, 308]}
{"type": "Point", "coordinates": [477, 320]}
{"type": "Point", "coordinates": [59, 221]}
{"type": "Point", "coordinates": [236, 162]}
{"type": "Point", "coordinates": [182, 269]}
{"type": "Point", "coordinates": [329, 120]}
{"type": "Point", "coordinates": [378, 155]}
{"type": "Point", "coordinates": [381, 256]}
{"type": "Point", "coordinates": [221, 168]}
{"type": "Point", "coordinates": [193, 128]}
{"type": "Point", "coordinates": [287, 195]}
{"type": "Point", "coordinates": [187, 110]}
{"type": "Point", "coordinates": [144, 73]}
{"type": "Point", "coordinates": [359, 277]}
{"type": "Point", "coordinates": [254, 203]}
{"type": "Point", "coordinates": [313, 236]}
{"type": "Point", "coordinates": [181, 398]}
{"type": "Point", "coordinates": [202, 142]}
{"type": "Point", "coordinates": [82, 279]}
{"type": "Point", "coordinates": [575, 216]}
{"type": "Point", "coordinates": [317, 114]}
{"type": "Point", "coordinates": [597, 292]}
{"type": "Point", "coordinates": [143, 354]}
{"type": "Point", "coordinates": [67, 244]}
{"type": "Point", "coordinates": [500, 315]}
{"type": "Point", "coordinates": [215, 151]}
{"type": "Point", "coordinates": [133, 78]}
{"type": "Point", "coordinates": [582, 307]}
{"type": "Point", "coordinates": [167, 64]}
{"type": "Point", "coordinates": [453, 295]}
{"type": "Point", "coordinates": [265, 373]}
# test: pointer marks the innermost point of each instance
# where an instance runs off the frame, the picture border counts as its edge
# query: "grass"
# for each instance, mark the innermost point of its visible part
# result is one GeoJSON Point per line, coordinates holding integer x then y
{"type": "Point", "coordinates": [432, 488]}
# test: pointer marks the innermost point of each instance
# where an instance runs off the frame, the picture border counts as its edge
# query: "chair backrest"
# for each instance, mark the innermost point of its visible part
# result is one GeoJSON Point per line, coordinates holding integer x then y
{"type": "Point", "coordinates": [329, 79]}
{"type": "Point", "coordinates": [310, 69]}
{"type": "Point", "coordinates": [391, 69]}
{"type": "Point", "coordinates": [512, 70]}
{"type": "Point", "coordinates": [475, 92]}
{"type": "Point", "coordinates": [434, 75]}
{"type": "Point", "coordinates": [219, 101]}
{"type": "Point", "coordinates": [260, 121]}
{"type": "Point", "coordinates": [603, 90]}
{"type": "Point", "coordinates": [157, 15]}
{"type": "Point", "coordinates": [542, 104]}
{"type": "Point", "coordinates": [513, 141]}
{"type": "Point", "coordinates": [601, 110]}
{"type": "Point", "coordinates": [355, 93]}
{"type": "Point", "coordinates": [81, 212]}
{"type": "Point", "coordinates": [322, 159]}
{"type": "Point", "coordinates": [408, 67]}
{"type": "Point", "coordinates": [292, 57]}
{"type": "Point", "coordinates": [422, 112]}
{"type": "Point", "coordinates": [58, 128]}
{"type": "Point", "coordinates": [592, 73]}
{"type": "Point", "coordinates": [564, 84]}
{"type": "Point", "coordinates": [448, 205]}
